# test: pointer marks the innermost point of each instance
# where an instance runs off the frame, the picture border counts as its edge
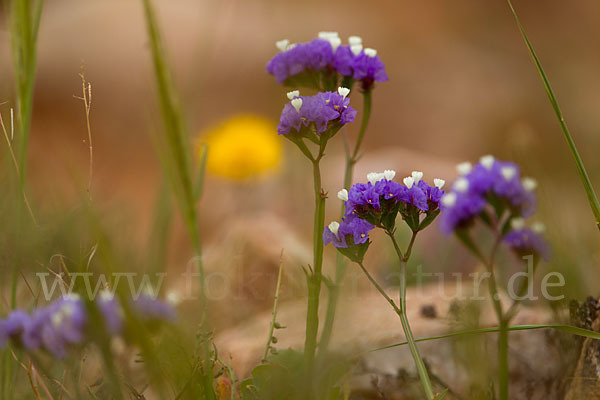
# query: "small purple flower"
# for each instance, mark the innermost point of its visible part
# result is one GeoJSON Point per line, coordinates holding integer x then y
{"type": "Point", "coordinates": [111, 312]}
{"type": "Point", "coordinates": [368, 67]}
{"type": "Point", "coordinates": [331, 234]}
{"type": "Point", "coordinates": [13, 326]}
{"type": "Point", "coordinates": [358, 228]}
{"type": "Point", "coordinates": [336, 232]}
{"type": "Point", "coordinates": [318, 110]}
{"type": "Point", "coordinates": [458, 210]}
{"type": "Point", "coordinates": [528, 241]}
{"type": "Point", "coordinates": [342, 60]}
{"type": "Point", "coordinates": [434, 193]}
{"type": "Point", "coordinates": [63, 325]}
{"type": "Point", "coordinates": [315, 55]}
{"type": "Point", "coordinates": [151, 309]}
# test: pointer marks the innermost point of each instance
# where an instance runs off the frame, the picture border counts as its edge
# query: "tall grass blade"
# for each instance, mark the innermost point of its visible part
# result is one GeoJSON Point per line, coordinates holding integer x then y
{"type": "Point", "coordinates": [592, 198]}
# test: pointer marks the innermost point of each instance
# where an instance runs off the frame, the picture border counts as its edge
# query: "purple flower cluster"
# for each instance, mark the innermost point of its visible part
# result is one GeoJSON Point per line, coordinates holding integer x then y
{"type": "Point", "coordinates": [327, 54]}
{"type": "Point", "coordinates": [527, 241]}
{"type": "Point", "coordinates": [63, 323]}
{"type": "Point", "coordinates": [318, 110]}
{"type": "Point", "coordinates": [377, 202]}
{"type": "Point", "coordinates": [367, 198]}
{"type": "Point", "coordinates": [492, 182]}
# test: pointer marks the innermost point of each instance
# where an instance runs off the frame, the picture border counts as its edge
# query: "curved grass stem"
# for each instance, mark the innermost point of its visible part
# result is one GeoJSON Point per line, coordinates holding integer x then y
{"type": "Point", "coordinates": [585, 179]}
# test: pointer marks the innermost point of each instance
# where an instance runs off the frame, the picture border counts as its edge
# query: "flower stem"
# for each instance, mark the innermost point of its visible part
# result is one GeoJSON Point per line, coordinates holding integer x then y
{"type": "Point", "coordinates": [315, 277]}
{"type": "Point", "coordinates": [340, 262]}
{"type": "Point", "coordinates": [420, 365]}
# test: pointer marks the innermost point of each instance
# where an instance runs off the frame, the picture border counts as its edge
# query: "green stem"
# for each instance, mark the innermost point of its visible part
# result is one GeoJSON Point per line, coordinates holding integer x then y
{"type": "Point", "coordinates": [503, 381]}
{"type": "Point", "coordinates": [420, 365]}
{"type": "Point", "coordinates": [589, 189]}
{"type": "Point", "coordinates": [314, 279]}
{"type": "Point", "coordinates": [340, 262]}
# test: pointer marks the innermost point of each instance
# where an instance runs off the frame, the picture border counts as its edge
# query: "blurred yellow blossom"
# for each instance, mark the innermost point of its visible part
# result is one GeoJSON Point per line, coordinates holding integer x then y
{"type": "Point", "coordinates": [242, 147]}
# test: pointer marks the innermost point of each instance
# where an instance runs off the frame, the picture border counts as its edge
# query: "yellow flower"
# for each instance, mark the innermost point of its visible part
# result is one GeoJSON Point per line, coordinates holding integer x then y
{"type": "Point", "coordinates": [243, 147]}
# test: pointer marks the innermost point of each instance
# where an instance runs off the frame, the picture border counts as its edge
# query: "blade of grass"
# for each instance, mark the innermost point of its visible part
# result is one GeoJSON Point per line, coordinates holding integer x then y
{"type": "Point", "coordinates": [562, 328]}
{"type": "Point", "coordinates": [25, 16]}
{"type": "Point", "coordinates": [591, 194]}
{"type": "Point", "coordinates": [177, 162]}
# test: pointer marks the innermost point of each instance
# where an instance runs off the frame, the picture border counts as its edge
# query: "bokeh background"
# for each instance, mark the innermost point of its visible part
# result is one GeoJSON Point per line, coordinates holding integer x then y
{"type": "Point", "coordinates": [461, 85]}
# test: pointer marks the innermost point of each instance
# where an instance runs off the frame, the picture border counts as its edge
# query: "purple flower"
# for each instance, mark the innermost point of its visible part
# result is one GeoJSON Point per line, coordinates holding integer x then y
{"type": "Point", "coordinates": [318, 110]}
{"type": "Point", "coordinates": [331, 234]}
{"type": "Point", "coordinates": [342, 60]}
{"type": "Point", "coordinates": [315, 55]}
{"type": "Point", "coordinates": [151, 309]}
{"type": "Point", "coordinates": [111, 312]}
{"type": "Point", "coordinates": [458, 210]}
{"type": "Point", "coordinates": [526, 241]}
{"type": "Point", "coordinates": [358, 228]}
{"type": "Point", "coordinates": [13, 326]}
{"type": "Point", "coordinates": [336, 233]}
{"type": "Point", "coordinates": [62, 325]}
{"type": "Point", "coordinates": [368, 67]}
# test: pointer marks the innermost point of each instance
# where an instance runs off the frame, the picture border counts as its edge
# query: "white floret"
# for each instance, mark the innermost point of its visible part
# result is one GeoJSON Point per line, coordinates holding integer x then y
{"type": "Point", "coordinates": [356, 49]}
{"type": "Point", "coordinates": [508, 172]}
{"type": "Point", "coordinates": [464, 168]}
{"type": "Point", "coordinates": [343, 195]}
{"type": "Point", "coordinates": [343, 91]}
{"type": "Point", "coordinates": [417, 176]}
{"type": "Point", "coordinates": [389, 174]}
{"type": "Point", "coordinates": [449, 200]}
{"type": "Point", "coordinates": [461, 185]}
{"type": "Point", "coordinates": [334, 226]}
{"type": "Point", "coordinates": [439, 183]}
{"type": "Point", "coordinates": [409, 181]}
{"type": "Point", "coordinates": [293, 94]}
{"type": "Point", "coordinates": [487, 161]}
{"type": "Point", "coordinates": [529, 184]}
{"type": "Point", "coordinates": [370, 52]}
{"type": "Point", "coordinates": [282, 45]}
{"type": "Point", "coordinates": [297, 103]}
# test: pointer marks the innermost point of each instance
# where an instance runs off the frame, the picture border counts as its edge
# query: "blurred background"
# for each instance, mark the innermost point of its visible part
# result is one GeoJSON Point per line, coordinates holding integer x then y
{"type": "Point", "coordinates": [461, 84]}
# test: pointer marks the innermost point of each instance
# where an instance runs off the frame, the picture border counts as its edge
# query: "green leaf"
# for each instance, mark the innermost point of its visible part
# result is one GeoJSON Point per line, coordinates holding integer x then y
{"type": "Point", "coordinates": [441, 395]}
{"type": "Point", "coordinates": [465, 238]}
{"type": "Point", "coordinates": [429, 218]}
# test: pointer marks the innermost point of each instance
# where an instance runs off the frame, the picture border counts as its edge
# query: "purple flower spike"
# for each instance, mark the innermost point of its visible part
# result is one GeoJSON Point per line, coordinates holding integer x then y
{"type": "Point", "coordinates": [528, 241]}
{"type": "Point", "coordinates": [318, 110]}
